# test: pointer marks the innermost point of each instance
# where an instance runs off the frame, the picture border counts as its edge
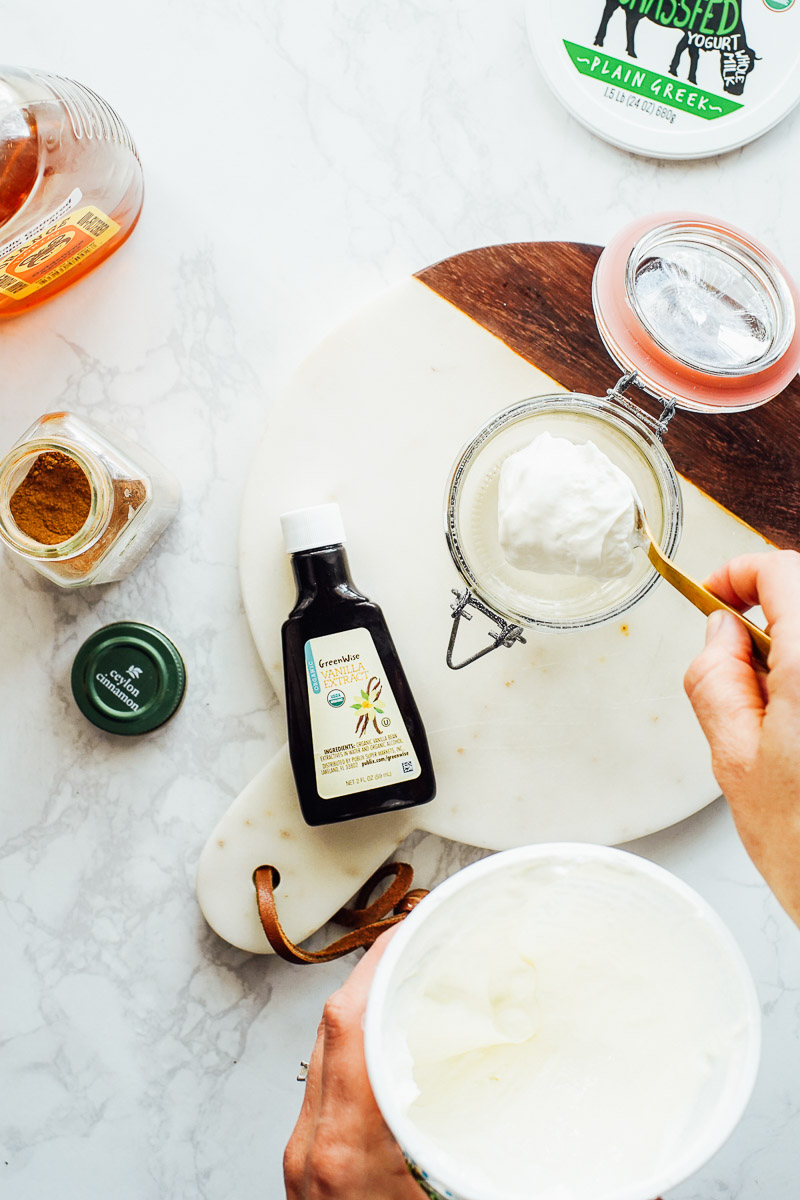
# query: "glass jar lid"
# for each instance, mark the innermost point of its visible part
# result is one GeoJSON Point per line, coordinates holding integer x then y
{"type": "Point", "coordinates": [699, 310]}
{"type": "Point", "coordinates": [556, 602]}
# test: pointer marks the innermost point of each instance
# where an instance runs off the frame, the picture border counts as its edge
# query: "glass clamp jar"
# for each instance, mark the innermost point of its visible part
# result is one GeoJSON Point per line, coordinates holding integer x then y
{"type": "Point", "coordinates": [698, 315]}
{"type": "Point", "coordinates": [82, 505]}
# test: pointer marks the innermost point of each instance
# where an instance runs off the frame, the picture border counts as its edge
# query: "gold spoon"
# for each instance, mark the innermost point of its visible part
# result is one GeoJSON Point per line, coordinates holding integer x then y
{"type": "Point", "coordinates": [701, 597]}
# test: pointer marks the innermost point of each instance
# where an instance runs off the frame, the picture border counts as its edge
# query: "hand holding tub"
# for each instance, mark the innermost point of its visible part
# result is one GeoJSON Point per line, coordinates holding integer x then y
{"type": "Point", "coordinates": [341, 1145]}
{"type": "Point", "coordinates": [752, 721]}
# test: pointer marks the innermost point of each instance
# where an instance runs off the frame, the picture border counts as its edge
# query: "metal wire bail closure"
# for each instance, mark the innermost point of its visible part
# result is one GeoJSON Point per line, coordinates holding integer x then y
{"type": "Point", "coordinates": [507, 634]}
{"type": "Point", "coordinates": [657, 424]}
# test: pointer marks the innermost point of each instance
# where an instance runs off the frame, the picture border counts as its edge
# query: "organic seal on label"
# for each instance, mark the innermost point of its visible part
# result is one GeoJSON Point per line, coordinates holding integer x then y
{"type": "Point", "coordinates": [671, 78]}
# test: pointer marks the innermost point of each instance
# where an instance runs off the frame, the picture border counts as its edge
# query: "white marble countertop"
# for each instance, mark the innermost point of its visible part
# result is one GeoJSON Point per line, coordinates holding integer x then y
{"type": "Point", "coordinates": [299, 158]}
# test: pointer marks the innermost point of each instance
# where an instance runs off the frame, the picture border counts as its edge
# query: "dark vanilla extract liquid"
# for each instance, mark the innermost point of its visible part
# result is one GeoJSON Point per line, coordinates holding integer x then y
{"type": "Point", "coordinates": [356, 740]}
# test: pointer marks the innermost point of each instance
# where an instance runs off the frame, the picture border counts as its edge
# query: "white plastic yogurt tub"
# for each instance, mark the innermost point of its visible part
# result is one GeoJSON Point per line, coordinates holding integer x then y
{"type": "Point", "coordinates": [623, 1029]}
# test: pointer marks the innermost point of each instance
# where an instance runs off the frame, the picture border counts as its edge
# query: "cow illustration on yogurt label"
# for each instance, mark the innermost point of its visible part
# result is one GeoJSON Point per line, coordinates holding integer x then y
{"type": "Point", "coordinates": [671, 78]}
{"type": "Point", "coordinates": [715, 26]}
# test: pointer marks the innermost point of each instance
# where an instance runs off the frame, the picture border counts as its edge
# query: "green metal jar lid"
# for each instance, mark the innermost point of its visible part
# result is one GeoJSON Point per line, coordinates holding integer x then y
{"type": "Point", "coordinates": [128, 678]}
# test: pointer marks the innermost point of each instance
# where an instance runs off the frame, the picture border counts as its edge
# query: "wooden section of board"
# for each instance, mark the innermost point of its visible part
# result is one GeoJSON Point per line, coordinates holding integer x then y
{"type": "Point", "coordinates": [537, 298]}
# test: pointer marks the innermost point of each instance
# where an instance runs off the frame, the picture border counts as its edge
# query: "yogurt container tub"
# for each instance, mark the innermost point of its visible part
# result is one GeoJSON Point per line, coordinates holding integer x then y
{"type": "Point", "coordinates": [672, 81]}
{"type": "Point", "coordinates": [698, 315]}
{"type": "Point", "coordinates": [561, 1022]}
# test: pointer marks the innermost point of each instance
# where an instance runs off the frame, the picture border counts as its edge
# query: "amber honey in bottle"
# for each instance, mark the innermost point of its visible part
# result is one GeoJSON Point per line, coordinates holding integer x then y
{"type": "Point", "coordinates": [356, 740]}
{"type": "Point", "coordinates": [70, 185]}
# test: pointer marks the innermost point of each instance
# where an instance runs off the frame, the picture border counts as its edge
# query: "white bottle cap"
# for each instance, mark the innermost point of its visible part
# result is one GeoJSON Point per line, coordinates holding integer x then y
{"type": "Point", "coordinates": [309, 528]}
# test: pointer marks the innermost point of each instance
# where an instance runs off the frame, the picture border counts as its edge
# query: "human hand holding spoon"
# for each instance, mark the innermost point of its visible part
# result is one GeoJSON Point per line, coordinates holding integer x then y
{"type": "Point", "coordinates": [700, 596]}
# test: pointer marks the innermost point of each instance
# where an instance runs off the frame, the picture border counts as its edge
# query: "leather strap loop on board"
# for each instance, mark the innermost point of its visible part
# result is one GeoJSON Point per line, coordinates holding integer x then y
{"type": "Point", "coordinates": [368, 921]}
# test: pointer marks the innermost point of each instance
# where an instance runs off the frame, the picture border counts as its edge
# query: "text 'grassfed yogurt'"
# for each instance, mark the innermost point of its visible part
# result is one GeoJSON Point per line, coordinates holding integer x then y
{"type": "Point", "coordinates": [587, 1031]}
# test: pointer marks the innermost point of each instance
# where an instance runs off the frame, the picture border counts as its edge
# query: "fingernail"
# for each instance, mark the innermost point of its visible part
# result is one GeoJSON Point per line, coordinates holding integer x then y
{"type": "Point", "coordinates": [715, 623]}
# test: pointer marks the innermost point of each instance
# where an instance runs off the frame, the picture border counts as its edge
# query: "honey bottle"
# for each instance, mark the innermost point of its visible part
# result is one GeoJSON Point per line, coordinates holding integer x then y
{"type": "Point", "coordinates": [356, 740]}
{"type": "Point", "coordinates": [70, 185]}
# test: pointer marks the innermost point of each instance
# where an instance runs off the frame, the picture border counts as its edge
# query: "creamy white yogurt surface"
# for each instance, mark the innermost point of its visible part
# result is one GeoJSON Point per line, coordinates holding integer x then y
{"type": "Point", "coordinates": [564, 508]}
{"type": "Point", "coordinates": [568, 1032]}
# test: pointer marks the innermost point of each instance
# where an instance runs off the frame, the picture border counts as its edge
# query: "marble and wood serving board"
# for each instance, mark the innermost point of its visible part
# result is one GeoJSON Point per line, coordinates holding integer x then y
{"type": "Point", "coordinates": [585, 736]}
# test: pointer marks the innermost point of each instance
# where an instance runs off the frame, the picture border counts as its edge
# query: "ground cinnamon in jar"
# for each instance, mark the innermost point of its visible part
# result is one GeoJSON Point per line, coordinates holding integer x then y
{"type": "Point", "coordinates": [82, 504]}
{"type": "Point", "coordinates": [128, 495]}
{"type": "Point", "coordinates": [53, 500]}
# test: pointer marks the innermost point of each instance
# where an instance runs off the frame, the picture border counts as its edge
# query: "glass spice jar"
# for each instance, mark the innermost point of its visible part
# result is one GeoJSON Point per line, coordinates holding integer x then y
{"type": "Point", "coordinates": [82, 505]}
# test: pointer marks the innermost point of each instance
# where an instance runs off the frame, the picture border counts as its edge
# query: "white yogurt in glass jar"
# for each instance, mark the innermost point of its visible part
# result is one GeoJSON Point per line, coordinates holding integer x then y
{"type": "Point", "coordinates": [544, 600]}
{"type": "Point", "coordinates": [563, 508]}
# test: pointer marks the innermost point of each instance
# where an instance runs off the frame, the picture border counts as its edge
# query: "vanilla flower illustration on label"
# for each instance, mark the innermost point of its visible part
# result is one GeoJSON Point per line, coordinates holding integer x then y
{"type": "Point", "coordinates": [367, 707]}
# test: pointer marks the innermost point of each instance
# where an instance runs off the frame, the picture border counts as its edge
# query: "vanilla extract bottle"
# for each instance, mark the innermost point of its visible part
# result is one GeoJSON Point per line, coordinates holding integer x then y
{"type": "Point", "coordinates": [356, 739]}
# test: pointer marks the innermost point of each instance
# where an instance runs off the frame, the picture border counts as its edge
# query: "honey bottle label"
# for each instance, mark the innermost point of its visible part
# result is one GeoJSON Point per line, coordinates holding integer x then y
{"type": "Point", "coordinates": [52, 247]}
{"type": "Point", "coordinates": [360, 740]}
